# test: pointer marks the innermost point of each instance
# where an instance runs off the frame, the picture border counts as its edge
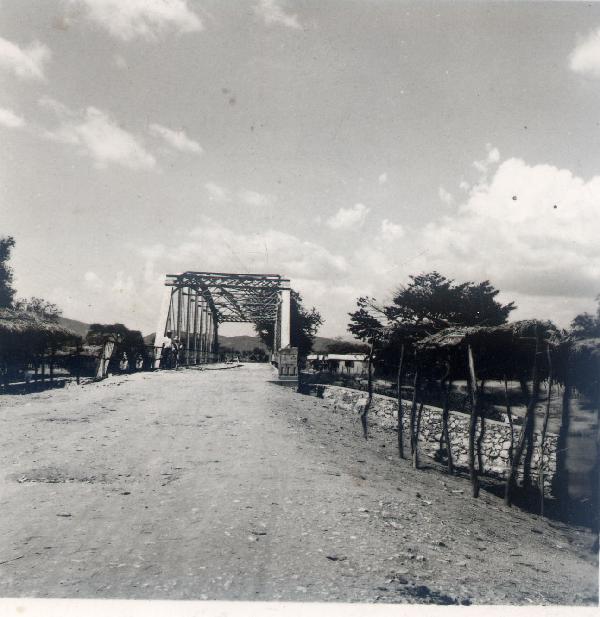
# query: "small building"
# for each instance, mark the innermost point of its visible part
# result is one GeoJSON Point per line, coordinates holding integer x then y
{"type": "Point", "coordinates": [339, 364]}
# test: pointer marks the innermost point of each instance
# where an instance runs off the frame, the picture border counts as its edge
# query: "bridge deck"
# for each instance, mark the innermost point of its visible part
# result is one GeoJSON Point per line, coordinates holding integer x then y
{"type": "Point", "coordinates": [220, 485]}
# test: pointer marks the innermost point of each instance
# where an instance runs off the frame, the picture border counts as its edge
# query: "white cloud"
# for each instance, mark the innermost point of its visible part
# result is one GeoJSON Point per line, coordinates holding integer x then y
{"type": "Point", "coordinates": [146, 19]}
{"type": "Point", "coordinates": [252, 198]}
{"type": "Point", "coordinates": [176, 139]}
{"type": "Point", "coordinates": [271, 12]}
{"type": "Point", "coordinates": [217, 193]}
{"type": "Point", "coordinates": [585, 58]}
{"type": "Point", "coordinates": [445, 196]}
{"type": "Point", "coordinates": [391, 231]}
{"type": "Point", "coordinates": [483, 166]}
{"type": "Point", "coordinates": [92, 281]}
{"type": "Point", "coordinates": [120, 61]}
{"type": "Point", "coordinates": [10, 119]}
{"type": "Point", "coordinates": [532, 230]}
{"type": "Point", "coordinates": [346, 218]}
{"type": "Point", "coordinates": [58, 108]}
{"type": "Point", "coordinates": [26, 63]}
{"type": "Point", "coordinates": [464, 186]}
{"type": "Point", "coordinates": [383, 178]}
{"type": "Point", "coordinates": [98, 136]}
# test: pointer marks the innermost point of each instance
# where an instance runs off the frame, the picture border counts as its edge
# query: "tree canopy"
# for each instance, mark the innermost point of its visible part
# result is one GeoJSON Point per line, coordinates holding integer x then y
{"type": "Point", "coordinates": [304, 325]}
{"type": "Point", "coordinates": [6, 275]}
{"type": "Point", "coordinates": [429, 303]}
{"type": "Point", "coordinates": [42, 308]}
{"type": "Point", "coordinates": [126, 340]}
{"type": "Point", "coordinates": [586, 325]}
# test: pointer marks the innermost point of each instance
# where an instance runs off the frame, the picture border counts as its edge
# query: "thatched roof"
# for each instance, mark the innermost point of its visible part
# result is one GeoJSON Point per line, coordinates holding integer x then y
{"type": "Point", "coordinates": [25, 323]}
{"type": "Point", "coordinates": [522, 332]}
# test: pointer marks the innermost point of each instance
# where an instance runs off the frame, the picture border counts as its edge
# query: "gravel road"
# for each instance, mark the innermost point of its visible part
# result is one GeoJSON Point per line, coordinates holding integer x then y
{"type": "Point", "coordinates": [219, 485]}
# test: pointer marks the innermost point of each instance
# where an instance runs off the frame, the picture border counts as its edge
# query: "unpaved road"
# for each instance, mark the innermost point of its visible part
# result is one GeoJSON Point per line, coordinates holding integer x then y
{"type": "Point", "coordinates": [220, 485]}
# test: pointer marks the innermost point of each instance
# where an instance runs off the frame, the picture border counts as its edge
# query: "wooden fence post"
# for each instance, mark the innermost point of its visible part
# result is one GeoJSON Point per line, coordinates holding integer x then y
{"type": "Point", "coordinates": [400, 409]}
{"type": "Point", "coordinates": [472, 383]}
{"type": "Point", "coordinates": [527, 425]}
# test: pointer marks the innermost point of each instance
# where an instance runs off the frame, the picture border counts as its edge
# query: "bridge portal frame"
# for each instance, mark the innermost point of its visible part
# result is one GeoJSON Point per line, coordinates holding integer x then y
{"type": "Point", "coordinates": [195, 303]}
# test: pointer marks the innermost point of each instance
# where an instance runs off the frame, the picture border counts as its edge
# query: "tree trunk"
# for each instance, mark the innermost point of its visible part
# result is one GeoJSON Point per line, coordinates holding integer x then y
{"type": "Point", "coordinates": [543, 435]}
{"type": "Point", "coordinates": [472, 383]}
{"type": "Point", "coordinates": [365, 411]}
{"type": "Point", "coordinates": [481, 429]}
{"type": "Point", "coordinates": [527, 428]}
{"type": "Point", "coordinates": [413, 412]}
{"type": "Point", "coordinates": [415, 453]}
{"type": "Point", "coordinates": [445, 438]}
{"type": "Point", "coordinates": [510, 422]}
{"type": "Point", "coordinates": [400, 409]}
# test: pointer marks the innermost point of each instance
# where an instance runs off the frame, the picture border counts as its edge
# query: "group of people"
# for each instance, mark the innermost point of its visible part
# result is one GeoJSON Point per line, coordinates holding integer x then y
{"type": "Point", "coordinates": [170, 352]}
{"type": "Point", "coordinates": [125, 365]}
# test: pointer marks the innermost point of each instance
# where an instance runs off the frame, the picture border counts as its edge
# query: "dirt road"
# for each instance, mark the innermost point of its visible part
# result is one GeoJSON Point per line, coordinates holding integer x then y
{"type": "Point", "coordinates": [220, 485]}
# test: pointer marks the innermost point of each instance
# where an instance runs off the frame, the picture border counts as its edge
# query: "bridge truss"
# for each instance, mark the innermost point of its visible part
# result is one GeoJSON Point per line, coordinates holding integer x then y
{"type": "Point", "coordinates": [195, 303]}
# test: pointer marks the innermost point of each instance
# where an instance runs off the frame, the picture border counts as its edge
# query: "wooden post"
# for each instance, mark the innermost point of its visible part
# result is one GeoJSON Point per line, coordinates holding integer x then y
{"type": "Point", "coordinates": [445, 428]}
{"type": "Point", "coordinates": [415, 454]}
{"type": "Point", "coordinates": [365, 411]}
{"type": "Point", "coordinates": [400, 409]}
{"type": "Point", "coordinates": [510, 422]}
{"type": "Point", "coordinates": [472, 383]}
{"type": "Point", "coordinates": [413, 415]}
{"type": "Point", "coordinates": [543, 434]}
{"type": "Point", "coordinates": [481, 428]}
{"type": "Point", "coordinates": [527, 426]}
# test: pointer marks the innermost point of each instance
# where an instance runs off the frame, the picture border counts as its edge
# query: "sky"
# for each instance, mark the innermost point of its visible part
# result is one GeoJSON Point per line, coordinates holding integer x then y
{"type": "Point", "coordinates": [344, 144]}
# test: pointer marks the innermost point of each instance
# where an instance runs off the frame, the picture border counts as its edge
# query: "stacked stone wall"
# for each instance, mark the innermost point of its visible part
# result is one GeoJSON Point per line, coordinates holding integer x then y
{"type": "Point", "coordinates": [495, 444]}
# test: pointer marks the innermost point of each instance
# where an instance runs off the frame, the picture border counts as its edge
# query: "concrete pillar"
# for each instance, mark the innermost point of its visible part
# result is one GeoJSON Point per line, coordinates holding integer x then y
{"type": "Point", "coordinates": [285, 318]}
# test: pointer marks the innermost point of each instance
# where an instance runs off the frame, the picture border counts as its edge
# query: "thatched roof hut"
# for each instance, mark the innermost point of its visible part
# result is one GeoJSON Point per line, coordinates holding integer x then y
{"type": "Point", "coordinates": [26, 332]}
{"type": "Point", "coordinates": [502, 351]}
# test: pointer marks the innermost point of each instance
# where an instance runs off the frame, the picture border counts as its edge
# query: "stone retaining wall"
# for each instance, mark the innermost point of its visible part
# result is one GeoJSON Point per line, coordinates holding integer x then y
{"type": "Point", "coordinates": [495, 444]}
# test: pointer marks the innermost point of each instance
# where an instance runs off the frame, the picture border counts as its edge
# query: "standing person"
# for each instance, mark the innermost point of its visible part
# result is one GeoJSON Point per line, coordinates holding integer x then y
{"type": "Point", "coordinates": [175, 352]}
{"type": "Point", "coordinates": [166, 352]}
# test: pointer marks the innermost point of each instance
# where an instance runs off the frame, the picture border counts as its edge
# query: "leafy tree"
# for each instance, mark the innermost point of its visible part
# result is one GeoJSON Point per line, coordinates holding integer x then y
{"type": "Point", "coordinates": [367, 322]}
{"type": "Point", "coordinates": [433, 302]}
{"type": "Point", "coordinates": [304, 325]}
{"type": "Point", "coordinates": [586, 325]}
{"type": "Point", "coordinates": [6, 275]}
{"type": "Point", "coordinates": [40, 307]}
{"type": "Point", "coordinates": [126, 341]}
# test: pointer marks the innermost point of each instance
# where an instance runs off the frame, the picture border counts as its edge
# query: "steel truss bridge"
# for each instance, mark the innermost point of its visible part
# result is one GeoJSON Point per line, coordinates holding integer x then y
{"type": "Point", "coordinates": [195, 303]}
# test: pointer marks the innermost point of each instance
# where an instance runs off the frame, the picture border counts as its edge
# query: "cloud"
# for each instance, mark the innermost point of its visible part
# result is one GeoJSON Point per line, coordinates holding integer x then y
{"type": "Point", "coordinates": [483, 166]}
{"type": "Point", "coordinates": [176, 139]}
{"type": "Point", "coordinates": [532, 230]}
{"type": "Point", "coordinates": [252, 198]}
{"type": "Point", "coordinates": [98, 136]}
{"type": "Point", "coordinates": [10, 119]}
{"type": "Point", "coordinates": [120, 62]}
{"type": "Point", "coordinates": [26, 63]}
{"type": "Point", "coordinates": [271, 12]}
{"type": "Point", "coordinates": [585, 58]}
{"type": "Point", "coordinates": [445, 196]}
{"type": "Point", "coordinates": [217, 193]}
{"type": "Point", "coordinates": [346, 218]}
{"type": "Point", "coordinates": [391, 231]}
{"type": "Point", "coordinates": [383, 178]}
{"type": "Point", "coordinates": [145, 19]}
{"type": "Point", "coordinates": [92, 281]}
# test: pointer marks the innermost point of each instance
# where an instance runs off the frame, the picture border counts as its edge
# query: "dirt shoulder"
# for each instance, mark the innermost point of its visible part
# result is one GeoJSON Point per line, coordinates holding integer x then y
{"type": "Point", "coordinates": [220, 485]}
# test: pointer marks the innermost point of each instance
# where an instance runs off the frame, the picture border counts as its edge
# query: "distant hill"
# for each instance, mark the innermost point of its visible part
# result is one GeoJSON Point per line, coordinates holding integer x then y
{"type": "Point", "coordinates": [79, 327]}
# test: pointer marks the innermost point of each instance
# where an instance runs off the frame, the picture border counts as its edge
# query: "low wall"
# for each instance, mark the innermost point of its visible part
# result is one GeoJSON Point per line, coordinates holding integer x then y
{"type": "Point", "coordinates": [495, 444]}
